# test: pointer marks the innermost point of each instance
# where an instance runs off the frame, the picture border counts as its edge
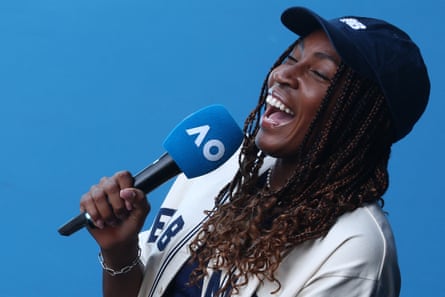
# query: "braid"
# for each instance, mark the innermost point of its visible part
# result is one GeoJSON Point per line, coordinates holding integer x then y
{"type": "Point", "coordinates": [342, 164]}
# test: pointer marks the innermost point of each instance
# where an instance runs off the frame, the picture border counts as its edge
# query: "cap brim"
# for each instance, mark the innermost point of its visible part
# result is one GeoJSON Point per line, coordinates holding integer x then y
{"type": "Point", "coordinates": [302, 21]}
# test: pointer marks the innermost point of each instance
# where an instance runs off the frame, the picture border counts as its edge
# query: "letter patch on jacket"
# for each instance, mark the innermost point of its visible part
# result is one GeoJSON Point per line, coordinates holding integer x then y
{"type": "Point", "coordinates": [164, 215]}
{"type": "Point", "coordinates": [170, 232]}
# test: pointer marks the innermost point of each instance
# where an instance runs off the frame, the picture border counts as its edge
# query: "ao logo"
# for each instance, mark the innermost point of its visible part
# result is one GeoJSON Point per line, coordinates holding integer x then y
{"type": "Point", "coordinates": [213, 149]}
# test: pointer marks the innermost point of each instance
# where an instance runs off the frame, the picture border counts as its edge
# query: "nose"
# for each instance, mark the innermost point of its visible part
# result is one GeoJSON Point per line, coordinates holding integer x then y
{"type": "Point", "coordinates": [286, 75]}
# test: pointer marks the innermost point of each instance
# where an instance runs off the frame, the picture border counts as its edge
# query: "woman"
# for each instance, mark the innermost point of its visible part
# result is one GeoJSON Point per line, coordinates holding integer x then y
{"type": "Point", "coordinates": [299, 213]}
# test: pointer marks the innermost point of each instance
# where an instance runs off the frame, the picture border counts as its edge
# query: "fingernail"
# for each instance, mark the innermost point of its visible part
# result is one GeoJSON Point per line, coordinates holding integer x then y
{"type": "Point", "coordinates": [127, 193]}
{"type": "Point", "coordinates": [99, 224]}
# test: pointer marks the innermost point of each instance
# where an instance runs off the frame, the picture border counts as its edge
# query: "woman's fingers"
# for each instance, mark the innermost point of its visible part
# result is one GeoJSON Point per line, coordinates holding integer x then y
{"type": "Point", "coordinates": [87, 204]}
{"type": "Point", "coordinates": [135, 201]}
{"type": "Point", "coordinates": [112, 187]}
{"type": "Point", "coordinates": [103, 202]}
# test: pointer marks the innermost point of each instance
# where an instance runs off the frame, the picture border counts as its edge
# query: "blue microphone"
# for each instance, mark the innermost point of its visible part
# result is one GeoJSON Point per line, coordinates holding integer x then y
{"type": "Point", "coordinates": [200, 143]}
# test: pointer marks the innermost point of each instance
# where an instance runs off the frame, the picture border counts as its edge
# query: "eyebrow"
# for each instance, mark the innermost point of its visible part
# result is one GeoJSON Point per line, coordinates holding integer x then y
{"type": "Point", "coordinates": [320, 55]}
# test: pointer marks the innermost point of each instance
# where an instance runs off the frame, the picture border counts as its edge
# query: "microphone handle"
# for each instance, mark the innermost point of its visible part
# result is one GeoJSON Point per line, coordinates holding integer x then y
{"type": "Point", "coordinates": [156, 173]}
{"type": "Point", "coordinates": [146, 180]}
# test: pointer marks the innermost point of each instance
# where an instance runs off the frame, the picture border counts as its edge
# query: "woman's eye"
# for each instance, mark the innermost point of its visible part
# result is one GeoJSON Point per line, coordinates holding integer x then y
{"type": "Point", "coordinates": [320, 75]}
{"type": "Point", "coordinates": [290, 59]}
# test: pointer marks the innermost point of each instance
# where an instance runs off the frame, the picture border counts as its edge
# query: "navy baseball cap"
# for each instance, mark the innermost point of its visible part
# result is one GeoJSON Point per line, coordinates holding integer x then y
{"type": "Point", "coordinates": [379, 51]}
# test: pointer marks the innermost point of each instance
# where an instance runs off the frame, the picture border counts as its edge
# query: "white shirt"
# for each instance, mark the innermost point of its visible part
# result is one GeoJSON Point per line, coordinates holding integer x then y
{"type": "Point", "coordinates": [356, 258]}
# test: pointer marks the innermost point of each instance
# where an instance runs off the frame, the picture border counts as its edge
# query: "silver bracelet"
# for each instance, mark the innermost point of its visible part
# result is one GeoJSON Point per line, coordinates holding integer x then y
{"type": "Point", "coordinates": [124, 269]}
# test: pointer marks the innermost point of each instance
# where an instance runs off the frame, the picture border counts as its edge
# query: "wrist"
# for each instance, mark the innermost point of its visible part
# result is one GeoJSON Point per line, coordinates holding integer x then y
{"type": "Point", "coordinates": [123, 269]}
{"type": "Point", "coordinates": [120, 255]}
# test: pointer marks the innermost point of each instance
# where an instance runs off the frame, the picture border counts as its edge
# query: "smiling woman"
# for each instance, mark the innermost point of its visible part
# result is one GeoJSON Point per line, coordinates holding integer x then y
{"type": "Point", "coordinates": [296, 212]}
{"type": "Point", "coordinates": [296, 89]}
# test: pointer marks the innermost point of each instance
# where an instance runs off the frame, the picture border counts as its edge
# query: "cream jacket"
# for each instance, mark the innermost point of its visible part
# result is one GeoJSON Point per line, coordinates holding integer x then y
{"type": "Point", "coordinates": [356, 258]}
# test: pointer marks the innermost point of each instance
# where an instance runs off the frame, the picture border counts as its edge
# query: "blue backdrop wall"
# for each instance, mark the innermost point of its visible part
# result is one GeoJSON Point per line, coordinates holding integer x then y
{"type": "Point", "coordinates": [91, 87]}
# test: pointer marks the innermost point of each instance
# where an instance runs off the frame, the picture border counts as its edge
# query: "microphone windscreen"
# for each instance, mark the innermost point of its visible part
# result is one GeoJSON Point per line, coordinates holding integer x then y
{"type": "Point", "coordinates": [204, 140]}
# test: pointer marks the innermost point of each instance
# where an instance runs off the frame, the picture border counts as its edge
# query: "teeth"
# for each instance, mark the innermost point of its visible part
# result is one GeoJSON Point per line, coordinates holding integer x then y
{"type": "Point", "coordinates": [278, 104]}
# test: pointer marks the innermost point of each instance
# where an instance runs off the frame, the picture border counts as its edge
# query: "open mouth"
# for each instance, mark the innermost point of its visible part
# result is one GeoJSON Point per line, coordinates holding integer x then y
{"type": "Point", "coordinates": [274, 102]}
{"type": "Point", "coordinates": [277, 112]}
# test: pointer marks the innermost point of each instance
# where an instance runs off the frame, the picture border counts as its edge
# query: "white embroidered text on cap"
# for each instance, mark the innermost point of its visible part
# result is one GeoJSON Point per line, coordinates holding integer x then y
{"type": "Point", "coordinates": [353, 23]}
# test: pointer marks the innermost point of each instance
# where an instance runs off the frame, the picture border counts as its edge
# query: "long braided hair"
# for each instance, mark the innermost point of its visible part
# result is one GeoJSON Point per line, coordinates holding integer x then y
{"type": "Point", "coordinates": [342, 164]}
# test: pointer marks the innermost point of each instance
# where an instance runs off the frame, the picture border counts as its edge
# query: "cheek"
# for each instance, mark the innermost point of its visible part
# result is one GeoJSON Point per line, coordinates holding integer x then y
{"type": "Point", "coordinates": [312, 110]}
{"type": "Point", "coordinates": [312, 102]}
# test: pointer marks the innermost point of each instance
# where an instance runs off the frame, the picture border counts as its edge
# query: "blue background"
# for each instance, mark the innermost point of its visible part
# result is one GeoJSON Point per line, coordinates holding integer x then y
{"type": "Point", "coordinates": [89, 87]}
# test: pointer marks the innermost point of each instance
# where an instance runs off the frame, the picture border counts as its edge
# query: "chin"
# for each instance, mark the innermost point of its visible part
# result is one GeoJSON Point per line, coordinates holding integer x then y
{"type": "Point", "coordinates": [267, 147]}
{"type": "Point", "coordinates": [276, 148]}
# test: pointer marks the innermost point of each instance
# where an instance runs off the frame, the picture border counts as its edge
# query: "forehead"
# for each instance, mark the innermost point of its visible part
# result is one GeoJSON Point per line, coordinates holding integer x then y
{"type": "Point", "coordinates": [317, 41]}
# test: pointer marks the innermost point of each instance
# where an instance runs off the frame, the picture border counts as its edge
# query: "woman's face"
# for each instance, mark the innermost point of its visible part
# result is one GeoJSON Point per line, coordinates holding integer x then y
{"type": "Point", "coordinates": [296, 90]}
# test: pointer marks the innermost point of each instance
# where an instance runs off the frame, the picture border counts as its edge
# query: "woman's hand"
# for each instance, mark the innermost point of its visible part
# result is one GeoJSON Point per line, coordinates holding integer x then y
{"type": "Point", "coordinates": [117, 210]}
